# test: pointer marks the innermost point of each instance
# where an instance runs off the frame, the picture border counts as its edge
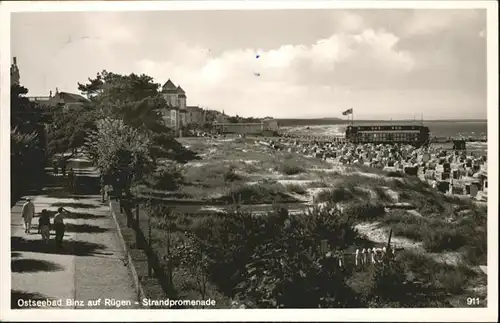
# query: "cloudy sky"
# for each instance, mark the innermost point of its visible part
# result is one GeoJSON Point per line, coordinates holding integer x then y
{"type": "Point", "coordinates": [312, 63]}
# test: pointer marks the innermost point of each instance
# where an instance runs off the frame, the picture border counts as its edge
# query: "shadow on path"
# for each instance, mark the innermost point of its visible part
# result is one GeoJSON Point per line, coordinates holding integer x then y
{"type": "Point", "coordinates": [76, 215]}
{"type": "Point", "coordinates": [33, 265]}
{"type": "Point", "coordinates": [75, 205]}
{"type": "Point", "coordinates": [61, 192]}
{"type": "Point", "coordinates": [14, 255]}
{"type": "Point", "coordinates": [85, 185]}
{"type": "Point", "coordinates": [70, 247]}
{"type": "Point", "coordinates": [16, 295]}
{"type": "Point", "coordinates": [84, 228]}
{"type": "Point", "coordinates": [83, 216]}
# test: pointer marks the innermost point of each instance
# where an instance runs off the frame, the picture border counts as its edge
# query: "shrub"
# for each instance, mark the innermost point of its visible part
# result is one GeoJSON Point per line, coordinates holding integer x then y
{"type": "Point", "coordinates": [406, 225]}
{"type": "Point", "coordinates": [338, 194]}
{"type": "Point", "coordinates": [296, 188]}
{"type": "Point", "coordinates": [258, 193]}
{"type": "Point", "coordinates": [231, 176]}
{"type": "Point", "coordinates": [318, 184]}
{"type": "Point", "coordinates": [476, 254]}
{"type": "Point", "coordinates": [365, 210]}
{"type": "Point", "coordinates": [167, 177]}
{"type": "Point", "coordinates": [452, 281]}
{"type": "Point", "coordinates": [246, 254]}
{"type": "Point", "coordinates": [290, 167]}
{"type": "Point", "coordinates": [329, 224]}
{"type": "Point", "coordinates": [426, 200]}
{"type": "Point", "coordinates": [441, 239]}
{"type": "Point", "coordinates": [211, 175]}
{"type": "Point", "coordinates": [395, 174]}
{"type": "Point", "coordinates": [444, 277]}
{"type": "Point", "coordinates": [281, 272]}
{"type": "Point", "coordinates": [388, 282]}
{"type": "Point", "coordinates": [382, 194]}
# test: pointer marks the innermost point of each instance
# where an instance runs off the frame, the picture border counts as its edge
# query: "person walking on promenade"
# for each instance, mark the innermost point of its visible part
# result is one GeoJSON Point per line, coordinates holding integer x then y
{"type": "Point", "coordinates": [55, 168]}
{"type": "Point", "coordinates": [59, 226]}
{"type": "Point", "coordinates": [44, 226]}
{"type": "Point", "coordinates": [63, 166]}
{"type": "Point", "coordinates": [28, 212]}
{"type": "Point", "coordinates": [71, 179]}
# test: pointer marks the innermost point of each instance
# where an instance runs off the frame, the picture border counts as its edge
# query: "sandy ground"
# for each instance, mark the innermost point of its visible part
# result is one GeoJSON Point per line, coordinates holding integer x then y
{"type": "Point", "coordinates": [374, 232]}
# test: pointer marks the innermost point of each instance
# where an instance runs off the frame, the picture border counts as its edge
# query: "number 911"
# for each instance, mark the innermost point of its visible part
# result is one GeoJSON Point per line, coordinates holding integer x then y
{"type": "Point", "coordinates": [471, 301]}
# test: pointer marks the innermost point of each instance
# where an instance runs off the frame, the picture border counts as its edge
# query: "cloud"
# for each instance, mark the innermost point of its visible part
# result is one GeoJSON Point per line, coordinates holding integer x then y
{"type": "Point", "coordinates": [426, 22]}
{"type": "Point", "coordinates": [291, 76]}
{"type": "Point", "coordinates": [312, 63]}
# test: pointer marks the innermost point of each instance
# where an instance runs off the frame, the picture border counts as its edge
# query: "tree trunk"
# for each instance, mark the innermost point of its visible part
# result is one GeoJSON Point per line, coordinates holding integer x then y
{"type": "Point", "coordinates": [137, 227]}
{"type": "Point", "coordinates": [169, 263]}
{"type": "Point", "coordinates": [150, 269]}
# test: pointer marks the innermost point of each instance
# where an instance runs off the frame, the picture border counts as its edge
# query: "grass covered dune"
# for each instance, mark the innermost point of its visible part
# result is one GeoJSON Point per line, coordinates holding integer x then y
{"type": "Point", "coordinates": [238, 257]}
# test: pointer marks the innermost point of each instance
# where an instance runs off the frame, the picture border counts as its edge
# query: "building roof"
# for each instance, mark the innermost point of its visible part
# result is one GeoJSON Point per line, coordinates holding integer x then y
{"type": "Point", "coordinates": [192, 107]}
{"type": "Point", "coordinates": [169, 86]}
{"type": "Point", "coordinates": [39, 98]}
{"type": "Point", "coordinates": [72, 97]}
{"type": "Point", "coordinates": [181, 92]}
{"type": "Point", "coordinates": [66, 97]}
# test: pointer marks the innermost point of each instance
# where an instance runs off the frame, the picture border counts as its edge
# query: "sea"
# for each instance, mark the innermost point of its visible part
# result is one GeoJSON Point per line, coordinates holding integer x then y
{"type": "Point", "coordinates": [438, 128]}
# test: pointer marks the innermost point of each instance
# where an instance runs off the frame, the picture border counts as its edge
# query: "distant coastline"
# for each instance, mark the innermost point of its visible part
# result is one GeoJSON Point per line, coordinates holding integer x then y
{"type": "Point", "coordinates": [337, 121]}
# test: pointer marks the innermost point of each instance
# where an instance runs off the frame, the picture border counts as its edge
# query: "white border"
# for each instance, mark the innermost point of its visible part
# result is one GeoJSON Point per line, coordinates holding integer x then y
{"type": "Point", "coordinates": [373, 315]}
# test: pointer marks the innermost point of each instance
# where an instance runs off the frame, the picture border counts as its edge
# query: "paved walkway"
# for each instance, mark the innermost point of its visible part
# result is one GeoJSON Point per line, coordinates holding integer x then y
{"type": "Point", "coordinates": [91, 264]}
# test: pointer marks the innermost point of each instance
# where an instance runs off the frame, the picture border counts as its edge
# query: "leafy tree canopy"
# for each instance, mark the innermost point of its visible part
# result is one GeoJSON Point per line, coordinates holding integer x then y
{"type": "Point", "coordinates": [69, 127]}
{"type": "Point", "coordinates": [133, 98]}
{"type": "Point", "coordinates": [27, 142]}
{"type": "Point", "coordinates": [26, 116]}
{"type": "Point", "coordinates": [121, 152]}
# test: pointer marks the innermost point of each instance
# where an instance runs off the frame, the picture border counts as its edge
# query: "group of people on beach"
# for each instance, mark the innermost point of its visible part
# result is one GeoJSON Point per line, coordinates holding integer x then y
{"type": "Point", "coordinates": [44, 225]}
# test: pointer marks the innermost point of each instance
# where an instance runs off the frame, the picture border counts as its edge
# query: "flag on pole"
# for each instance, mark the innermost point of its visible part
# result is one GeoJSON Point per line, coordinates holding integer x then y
{"type": "Point", "coordinates": [347, 112]}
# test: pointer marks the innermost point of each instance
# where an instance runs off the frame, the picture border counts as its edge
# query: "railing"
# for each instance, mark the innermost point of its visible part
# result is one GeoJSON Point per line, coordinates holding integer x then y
{"type": "Point", "coordinates": [143, 241]}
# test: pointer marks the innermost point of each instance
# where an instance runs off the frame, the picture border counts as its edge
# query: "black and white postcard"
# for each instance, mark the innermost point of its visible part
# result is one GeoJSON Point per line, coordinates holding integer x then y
{"type": "Point", "coordinates": [263, 160]}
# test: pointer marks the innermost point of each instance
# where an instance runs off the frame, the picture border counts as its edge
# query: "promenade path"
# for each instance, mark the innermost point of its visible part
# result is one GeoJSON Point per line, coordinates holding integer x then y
{"type": "Point", "coordinates": [90, 266]}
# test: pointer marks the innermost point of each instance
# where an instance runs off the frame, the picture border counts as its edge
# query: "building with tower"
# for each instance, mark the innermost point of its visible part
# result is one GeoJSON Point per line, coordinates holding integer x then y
{"type": "Point", "coordinates": [171, 112]}
{"type": "Point", "coordinates": [14, 73]}
{"type": "Point", "coordinates": [177, 114]}
{"type": "Point", "coordinates": [174, 114]}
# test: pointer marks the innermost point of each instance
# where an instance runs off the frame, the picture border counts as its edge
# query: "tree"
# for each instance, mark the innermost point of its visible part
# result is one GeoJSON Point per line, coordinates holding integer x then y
{"type": "Point", "coordinates": [25, 115]}
{"type": "Point", "coordinates": [133, 98]}
{"type": "Point", "coordinates": [94, 87]}
{"type": "Point", "coordinates": [136, 100]}
{"type": "Point", "coordinates": [27, 153]}
{"type": "Point", "coordinates": [193, 258]}
{"type": "Point", "coordinates": [121, 153]}
{"type": "Point", "coordinates": [69, 128]}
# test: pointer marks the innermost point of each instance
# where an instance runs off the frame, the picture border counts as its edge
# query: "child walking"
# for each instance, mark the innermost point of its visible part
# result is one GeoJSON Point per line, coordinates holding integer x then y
{"type": "Point", "coordinates": [44, 226]}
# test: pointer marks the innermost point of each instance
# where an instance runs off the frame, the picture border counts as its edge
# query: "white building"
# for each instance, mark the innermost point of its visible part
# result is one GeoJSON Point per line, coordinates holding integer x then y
{"type": "Point", "coordinates": [195, 115]}
{"type": "Point", "coordinates": [174, 114]}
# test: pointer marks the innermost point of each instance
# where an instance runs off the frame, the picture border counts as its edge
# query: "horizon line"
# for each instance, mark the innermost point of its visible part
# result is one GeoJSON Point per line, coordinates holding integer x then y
{"type": "Point", "coordinates": [416, 120]}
